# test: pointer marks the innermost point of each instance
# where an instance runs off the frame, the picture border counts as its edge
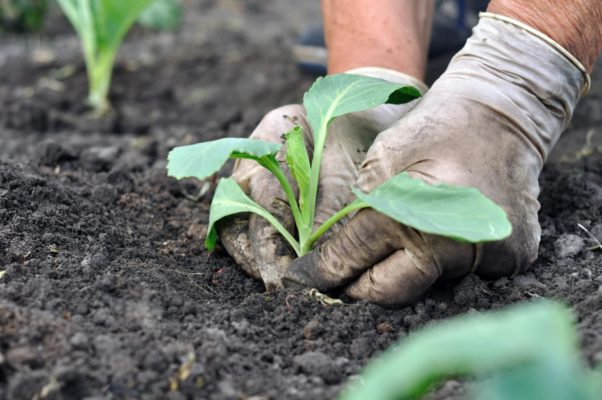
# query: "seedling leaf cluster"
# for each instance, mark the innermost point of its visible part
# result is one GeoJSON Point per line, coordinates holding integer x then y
{"type": "Point", "coordinates": [452, 211]}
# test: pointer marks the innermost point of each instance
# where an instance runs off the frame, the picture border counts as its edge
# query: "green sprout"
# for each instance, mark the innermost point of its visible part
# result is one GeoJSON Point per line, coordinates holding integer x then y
{"type": "Point", "coordinates": [457, 212]}
{"type": "Point", "coordinates": [22, 15]}
{"type": "Point", "coordinates": [528, 352]}
{"type": "Point", "coordinates": [101, 26]}
{"type": "Point", "coordinates": [164, 15]}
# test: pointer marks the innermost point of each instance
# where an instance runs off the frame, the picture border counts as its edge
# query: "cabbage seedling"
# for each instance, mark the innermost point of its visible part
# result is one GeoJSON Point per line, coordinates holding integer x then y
{"type": "Point", "coordinates": [452, 211]}
{"type": "Point", "coordinates": [101, 26]}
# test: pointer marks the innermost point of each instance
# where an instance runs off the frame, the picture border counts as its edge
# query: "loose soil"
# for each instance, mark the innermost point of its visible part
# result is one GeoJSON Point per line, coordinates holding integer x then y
{"type": "Point", "coordinates": [105, 289]}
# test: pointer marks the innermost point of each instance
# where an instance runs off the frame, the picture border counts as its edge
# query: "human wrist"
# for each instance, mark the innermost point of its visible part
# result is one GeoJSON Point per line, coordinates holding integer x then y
{"type": "Point", "coordinates": [574, 24]}
{"type": "Point", "coordinates": [390, 34]}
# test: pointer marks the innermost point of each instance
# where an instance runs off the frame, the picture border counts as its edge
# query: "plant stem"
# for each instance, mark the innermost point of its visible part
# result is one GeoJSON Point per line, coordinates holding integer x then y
{"type": "Point", "coordinates": [281, 229]}
{"type": "Point", "coordinates": [354, 206]}
{"type": "Point", "coordinates": [100, 73]}
{"type": "Point", "coordinates": [310, 205]}
{"type": "Point", "coordinates": [274, 167]}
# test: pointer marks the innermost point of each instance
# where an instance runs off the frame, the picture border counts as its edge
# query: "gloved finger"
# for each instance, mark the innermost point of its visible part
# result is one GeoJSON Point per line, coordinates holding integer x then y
{"type": "Point", "coordinates": [366, 239]}
{"type": "Point", "coordinates": [238, 237]}
{"type": "Point", "coordinates": [234, 235]}
{"type": "Point", "coordinates": [251, 240]}
{"type": "Point", "coordinates": [407, 274]}
{"type": "Point", "coordinates": [270, 250]}
{"type": "Point", "coordinates": [397, 280]}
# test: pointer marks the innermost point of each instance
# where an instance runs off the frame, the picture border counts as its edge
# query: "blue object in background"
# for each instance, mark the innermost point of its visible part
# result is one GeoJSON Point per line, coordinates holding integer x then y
{"type": "Point", "coordinates": [452, 25]}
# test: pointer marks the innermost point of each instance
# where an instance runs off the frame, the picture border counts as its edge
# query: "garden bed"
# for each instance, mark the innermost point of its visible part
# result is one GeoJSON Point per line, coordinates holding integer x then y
{"type": "Point", "coordinates": [106, 290]}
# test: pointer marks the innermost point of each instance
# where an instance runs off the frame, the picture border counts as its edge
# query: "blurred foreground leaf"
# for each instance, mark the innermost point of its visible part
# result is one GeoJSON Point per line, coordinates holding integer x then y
{"type": "Point", "coordinates": [528, 352]}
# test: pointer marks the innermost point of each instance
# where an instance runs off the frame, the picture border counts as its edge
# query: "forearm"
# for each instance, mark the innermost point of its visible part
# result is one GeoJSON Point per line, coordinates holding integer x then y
{"type": "Point", "coordinates": [386, 33]}
{"type": "Point", "coordinates": [575, 24]}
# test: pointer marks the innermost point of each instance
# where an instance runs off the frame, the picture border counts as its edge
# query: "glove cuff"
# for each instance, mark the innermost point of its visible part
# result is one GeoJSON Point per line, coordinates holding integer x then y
{"type": "Point", "coordinates": [521, 76]}
{"type": "Point", "coordinates": [548, 40]}
{"type": "Point", "coordinates": [391, 76]}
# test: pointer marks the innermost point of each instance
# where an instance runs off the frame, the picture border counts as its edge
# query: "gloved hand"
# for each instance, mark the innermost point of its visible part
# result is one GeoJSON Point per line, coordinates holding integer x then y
{"type": "Point", "coordinates": [255, 244]}
{"type": "Point", "coordinates": [488, 122]}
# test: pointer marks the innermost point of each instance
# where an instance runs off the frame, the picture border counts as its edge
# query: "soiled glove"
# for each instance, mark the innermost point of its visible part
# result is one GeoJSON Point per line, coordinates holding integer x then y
{"type": "Point", "coordinates": [257, 246]}
{"type": "Point", "coordinates": [488, 122]}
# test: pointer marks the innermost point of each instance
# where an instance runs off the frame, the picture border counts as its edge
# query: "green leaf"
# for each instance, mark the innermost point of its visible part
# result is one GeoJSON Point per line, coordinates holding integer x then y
{"type": "Point", "coordinates": [113, 19]}
{"type": "Point", "coordinates": [457, 212]}
{"type": "Point", "coordinates": [340, 94]}
{"type": "Point", "coordinates": [539, 334]}
{"type": "Point", "coordinates": [202, 160]}
{"type": "Point", "coordinates": [162, 14]}
{"type": "Point", "coordinates": [336, 95]}
{"type": "Point", "coordinates": [229, 199]}
{"type": "Point", "coordinates": [298, 161]}
{"type": "Point", "coordinates": [538, 379]}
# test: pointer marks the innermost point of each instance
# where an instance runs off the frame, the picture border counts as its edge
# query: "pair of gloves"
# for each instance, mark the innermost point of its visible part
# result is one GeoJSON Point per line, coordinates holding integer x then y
{"type": "Point", "coordinates": [488, 122]}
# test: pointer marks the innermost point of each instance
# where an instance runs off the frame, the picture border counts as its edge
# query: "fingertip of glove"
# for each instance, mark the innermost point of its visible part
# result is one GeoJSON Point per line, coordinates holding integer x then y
{"type": "Point", "coordinates": [303, 272]}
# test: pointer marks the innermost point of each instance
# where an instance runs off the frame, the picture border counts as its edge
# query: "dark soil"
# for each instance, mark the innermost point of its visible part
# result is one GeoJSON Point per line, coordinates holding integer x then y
{"type": "Point", "coordinates": [106, 290]}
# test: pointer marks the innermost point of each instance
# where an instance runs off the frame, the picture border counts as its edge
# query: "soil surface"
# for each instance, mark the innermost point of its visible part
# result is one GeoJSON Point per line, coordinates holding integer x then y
{"type": "Point", "coordinates": [105, 289]}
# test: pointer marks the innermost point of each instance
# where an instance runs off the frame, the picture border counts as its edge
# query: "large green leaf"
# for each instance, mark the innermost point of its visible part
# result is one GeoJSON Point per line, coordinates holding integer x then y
{"type": "Point", "coordinates": [298, 160]}
{"type": "Point", "coordinates": [229, 199]}
{"type": "Point", "coordinates": [457, 212]}
{"type": "Point", "coordinates": [537, 339]}
{"type": "Point", "coordinates": [336, 95]}
{"type": "Point", "coordinates": [113, 19]}
{"type": "Point", "coordinates": [202, 160]}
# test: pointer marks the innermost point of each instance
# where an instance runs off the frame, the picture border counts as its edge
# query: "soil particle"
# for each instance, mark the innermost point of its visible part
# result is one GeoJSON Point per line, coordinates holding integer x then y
{"type": "Point", "coordinates": [568, 245]}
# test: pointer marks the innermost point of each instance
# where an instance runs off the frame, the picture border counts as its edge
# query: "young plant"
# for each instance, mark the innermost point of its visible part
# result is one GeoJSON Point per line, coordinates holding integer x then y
{"type": "Point", "coordinates": [528, 352]}
{"type": "Point", "coordinates": [457, 212]}
{"type": "Point", "coordinates": [163, 15]}
{"type": "Point", "coordinates": [22, 15]}
{"type": "Point", "coordinates": [101, 26]}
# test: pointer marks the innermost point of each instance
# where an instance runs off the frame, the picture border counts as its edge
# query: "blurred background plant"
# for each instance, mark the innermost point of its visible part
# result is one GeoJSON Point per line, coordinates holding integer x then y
{"type": "Point", "coordinates": [101, 26]}
{"type": "Point", "coordinates": [165, 15]}
{"type": "Point", "coordinates": [20, 16]}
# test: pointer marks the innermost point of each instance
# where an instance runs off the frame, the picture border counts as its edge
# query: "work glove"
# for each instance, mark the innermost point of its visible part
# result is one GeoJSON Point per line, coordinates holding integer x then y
{"type": "Point", "coordinates": [488, 122]}
{"type": "Point", "coordinates": [252, 241]}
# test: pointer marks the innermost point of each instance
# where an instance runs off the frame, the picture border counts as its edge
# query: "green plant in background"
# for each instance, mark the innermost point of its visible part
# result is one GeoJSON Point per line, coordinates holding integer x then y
{"type": "Point", "coordinates": [457, 212]}
{"type": "Point", "coordinates": [101, 26]}
{"type": "Point", "coordinates": [529, 352]}
{"type": "Point", "coordinates": [22, 15]}
{"type": "Point", "coordinates": [162, 14]}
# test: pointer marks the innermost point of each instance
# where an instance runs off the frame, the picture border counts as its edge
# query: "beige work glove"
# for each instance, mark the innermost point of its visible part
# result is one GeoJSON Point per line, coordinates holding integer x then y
{"type": "Point", "coordinates": [488, 122]}
{"type": "Point", "coordinates": [252, 241]}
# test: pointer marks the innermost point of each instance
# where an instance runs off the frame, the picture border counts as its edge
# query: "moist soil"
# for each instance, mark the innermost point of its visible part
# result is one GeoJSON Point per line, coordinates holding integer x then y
{"type": "Point", "coordinates": [106, 291]}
